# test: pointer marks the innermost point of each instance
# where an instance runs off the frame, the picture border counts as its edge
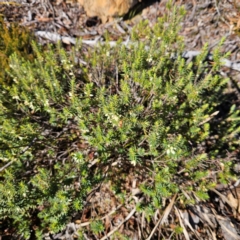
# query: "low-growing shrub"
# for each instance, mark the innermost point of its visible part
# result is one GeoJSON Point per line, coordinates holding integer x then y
{"type": "Point", "coordinates": [140, 108]}
{"type": "Point", "coordinates": [13, 39]}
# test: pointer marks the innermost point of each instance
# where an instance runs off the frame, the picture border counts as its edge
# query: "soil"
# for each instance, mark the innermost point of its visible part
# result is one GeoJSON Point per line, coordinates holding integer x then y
{"type": "Point", "coordinates": [205, 22]}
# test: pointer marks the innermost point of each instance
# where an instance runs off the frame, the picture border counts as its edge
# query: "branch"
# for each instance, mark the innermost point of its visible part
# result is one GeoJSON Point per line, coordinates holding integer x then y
{"type": "Point", "coordinates": [23, 151]}
{"type": "Point", "coordinates": [116, 228]}
{"type": "Point", "coordinates": [209, 57]}
{"type": "Point", "coordinates": [163, 217]}
{"type": "Point", "coordinates": [187, 54]}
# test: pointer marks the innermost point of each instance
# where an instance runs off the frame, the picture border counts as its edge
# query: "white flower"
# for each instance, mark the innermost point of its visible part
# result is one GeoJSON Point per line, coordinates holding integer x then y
{"type": "Point", "coordinates": [171, 150]}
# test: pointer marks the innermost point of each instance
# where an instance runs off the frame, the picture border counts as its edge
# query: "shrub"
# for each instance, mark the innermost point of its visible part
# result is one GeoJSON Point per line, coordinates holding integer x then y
{"type": "Point", "coordinates": [13, 39]}
{"type": "Point", "coordinates": [66, 127]}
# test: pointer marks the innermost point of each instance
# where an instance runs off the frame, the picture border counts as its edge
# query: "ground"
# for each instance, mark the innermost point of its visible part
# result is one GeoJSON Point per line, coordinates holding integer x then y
{"type": "Point", "coordinates": [205, 22]}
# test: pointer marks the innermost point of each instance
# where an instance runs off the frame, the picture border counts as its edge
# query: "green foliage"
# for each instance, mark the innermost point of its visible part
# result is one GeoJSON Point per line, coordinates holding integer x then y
{"type": "Point", "coordinates": [13, 39]}
{"type": "Point", "coordinates": [145, 107]}
{"type": "Point", "coordinates": [97, 227]}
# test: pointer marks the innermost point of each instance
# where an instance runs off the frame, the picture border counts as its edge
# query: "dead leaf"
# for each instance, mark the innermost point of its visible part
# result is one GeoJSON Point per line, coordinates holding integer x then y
{"type": "Point", "coordinates": [232, 200]}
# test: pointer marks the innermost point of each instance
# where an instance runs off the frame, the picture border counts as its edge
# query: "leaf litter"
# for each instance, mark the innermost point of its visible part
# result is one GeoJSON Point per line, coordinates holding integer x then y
{"type": "Point", "coordinates": [216, 218]}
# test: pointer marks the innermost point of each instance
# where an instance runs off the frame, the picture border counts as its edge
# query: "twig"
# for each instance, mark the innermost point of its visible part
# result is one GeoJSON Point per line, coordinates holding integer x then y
{"type": "Point", "coordinates": [164, 217]}
{"type": "Point", "coordinates": [185, 232]}
{"type": "Point", "coordinates": [187, 54]}
{"type": "Point", "coordinates": [116, 228]}
{"type": "Point", "coordinates": [219, 14]}
{"type": "Point", "coordinates": [225, 199]}
{"type": "Point", "coordinates": [4, 167]}
{"type": "Point", "coordinates": [125, 220]}
{"type": "Point", "coordinates": [110, 213]}
{"type": "Point", "coordinates": [209, 57]}
{"type": "Point", "coordinates": [23, 151]}
{"type": "Point", "coordinates": [193, 11]}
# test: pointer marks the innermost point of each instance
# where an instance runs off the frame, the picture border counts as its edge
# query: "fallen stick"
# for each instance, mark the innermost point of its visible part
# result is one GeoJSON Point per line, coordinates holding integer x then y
{"type": "Point", "coordinates": [55, 37]}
